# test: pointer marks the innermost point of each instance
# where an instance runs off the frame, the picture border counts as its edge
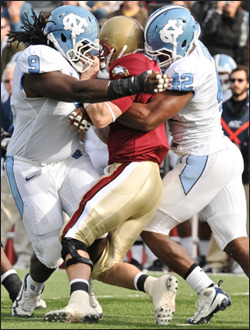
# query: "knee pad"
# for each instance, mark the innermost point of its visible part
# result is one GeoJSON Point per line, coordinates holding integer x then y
{"type": "Point", "coordinates": [70, 245]}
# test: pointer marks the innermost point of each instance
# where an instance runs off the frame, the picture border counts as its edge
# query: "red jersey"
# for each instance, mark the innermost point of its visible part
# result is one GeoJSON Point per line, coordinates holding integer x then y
{"type": "Point", "coordinates": [127, 145]}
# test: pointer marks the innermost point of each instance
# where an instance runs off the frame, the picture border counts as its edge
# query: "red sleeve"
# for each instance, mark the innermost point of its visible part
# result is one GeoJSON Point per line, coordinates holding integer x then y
{"type": "Point", "coordinates": [130, 65]}
{"type": "Point", "coordinates": [124, 103]}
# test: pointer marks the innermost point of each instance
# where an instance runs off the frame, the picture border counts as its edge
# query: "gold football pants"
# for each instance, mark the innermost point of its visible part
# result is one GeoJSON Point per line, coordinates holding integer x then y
{"type": "Point", "coordinates": [121, 202]}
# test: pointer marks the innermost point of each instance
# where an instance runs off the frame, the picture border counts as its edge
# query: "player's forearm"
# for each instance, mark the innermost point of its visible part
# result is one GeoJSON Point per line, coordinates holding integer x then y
{"type": "Point", "coordinates": [144, 117]}
{"type": "Point", "coordinates": [102, 114]}
{"type": "Point", "coordinates": [160, 108]}
{"type": "Point", "coordinates": [91, 91]}
{"type": "Point", "coordinates": [135, 117]}
{"type": "Point", "coordinates": [103, 90]}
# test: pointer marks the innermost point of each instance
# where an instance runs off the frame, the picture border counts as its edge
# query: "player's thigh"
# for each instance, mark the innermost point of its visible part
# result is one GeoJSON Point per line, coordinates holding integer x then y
{"type": "Point", "coordinates": [132, 191]}
{"type": "Point", "coordinates": [119, 242]}
{"type": "Point", "coordinates": [183, 188]}
{"type": "Point", "coordinates": [79, 175]}
{"type": "Point", "coordinates": [226, 214]}
{"type": "Point", "coordinates": [197, 180]}
{"type": "Point", "coordinates": [192, 185]}
{"type": "Point", "coordinates": [40, 208]}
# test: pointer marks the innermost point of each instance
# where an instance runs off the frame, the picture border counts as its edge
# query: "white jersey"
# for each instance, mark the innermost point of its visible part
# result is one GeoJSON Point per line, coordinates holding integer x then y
{"type": "Point", "coordinates": [196, 129]}
{"type": "Point", "coordinates": [208, 177]}
{"type": "Point", "coordinates": [41, 132]}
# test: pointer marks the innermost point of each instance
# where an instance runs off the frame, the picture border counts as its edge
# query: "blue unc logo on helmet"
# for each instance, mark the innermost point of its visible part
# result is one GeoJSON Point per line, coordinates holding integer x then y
{"type": "Point", "coordinates": [73, 31]}
{"type": "Point", "coordinates": [170, 33]}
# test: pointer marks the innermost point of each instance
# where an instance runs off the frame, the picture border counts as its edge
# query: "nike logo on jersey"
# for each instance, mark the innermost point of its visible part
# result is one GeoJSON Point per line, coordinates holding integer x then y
{"type": "Point", "coordinates": [30, 177]}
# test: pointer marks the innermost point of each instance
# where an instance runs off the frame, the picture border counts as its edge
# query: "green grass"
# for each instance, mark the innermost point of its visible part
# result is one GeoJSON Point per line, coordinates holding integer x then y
{"type": "Point", "coordinates": [128, 309]}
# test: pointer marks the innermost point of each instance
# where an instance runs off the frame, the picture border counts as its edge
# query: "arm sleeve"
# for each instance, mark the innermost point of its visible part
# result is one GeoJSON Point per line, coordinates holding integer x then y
{"type": "Point", "coordinates": [124, 103]}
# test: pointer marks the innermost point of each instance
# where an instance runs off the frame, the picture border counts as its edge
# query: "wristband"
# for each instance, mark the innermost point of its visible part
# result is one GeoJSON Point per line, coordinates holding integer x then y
{"type": "Point", "coordinates": [111, 111]}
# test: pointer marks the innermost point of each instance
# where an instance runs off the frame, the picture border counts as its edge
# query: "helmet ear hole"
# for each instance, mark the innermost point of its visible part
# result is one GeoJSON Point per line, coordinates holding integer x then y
{"type": "Point", "coordinates": [63, 37]}
{"type": "Point", "coordinates": [184, 43]}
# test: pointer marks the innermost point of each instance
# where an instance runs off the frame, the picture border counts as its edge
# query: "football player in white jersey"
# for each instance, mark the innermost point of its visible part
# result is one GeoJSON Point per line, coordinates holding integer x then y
{"type": "Point", "coordinates": [47, 166]}
{"type": "Point", "coordinates": [208, 176]}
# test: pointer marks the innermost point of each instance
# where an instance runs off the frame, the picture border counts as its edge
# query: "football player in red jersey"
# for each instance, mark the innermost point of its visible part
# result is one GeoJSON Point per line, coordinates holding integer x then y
{"type": "Point", "coordinates": [123, 200]}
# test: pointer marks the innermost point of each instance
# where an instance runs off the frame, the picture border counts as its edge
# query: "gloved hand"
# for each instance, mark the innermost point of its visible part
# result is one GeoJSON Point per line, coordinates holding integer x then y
{"type": "Point", "coordinates": [5, 138]}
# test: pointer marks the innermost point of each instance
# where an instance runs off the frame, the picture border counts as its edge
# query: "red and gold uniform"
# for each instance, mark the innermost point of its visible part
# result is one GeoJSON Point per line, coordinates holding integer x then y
{"type": "Point", "coordinates": [125, 199]}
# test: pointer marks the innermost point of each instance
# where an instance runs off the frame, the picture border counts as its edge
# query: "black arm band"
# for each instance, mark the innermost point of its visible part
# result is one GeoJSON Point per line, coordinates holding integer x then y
{"type": "Point", "coordinates": [127, 86]}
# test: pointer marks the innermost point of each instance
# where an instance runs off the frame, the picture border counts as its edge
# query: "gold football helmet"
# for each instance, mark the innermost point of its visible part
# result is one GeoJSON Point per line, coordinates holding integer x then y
{"type": "Point", "coordinates": [120, 35]}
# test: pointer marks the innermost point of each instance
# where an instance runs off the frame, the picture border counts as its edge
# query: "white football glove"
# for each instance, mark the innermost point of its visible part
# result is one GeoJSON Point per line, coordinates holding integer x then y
{"type": "Point", "coordinates": [79, 122]}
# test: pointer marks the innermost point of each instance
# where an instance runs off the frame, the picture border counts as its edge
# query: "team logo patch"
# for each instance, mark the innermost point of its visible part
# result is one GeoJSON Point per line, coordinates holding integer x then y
{"type": "Point", "coordinates": [171, 32]}
{"type": "Point", "coordinates": [74, 22]}
{"type": "Point", "coordinates": [120, 71]}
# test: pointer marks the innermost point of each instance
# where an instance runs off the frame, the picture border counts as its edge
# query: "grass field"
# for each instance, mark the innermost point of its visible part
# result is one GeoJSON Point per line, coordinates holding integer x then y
{"type": "Point", "coordinates": [128, 309]}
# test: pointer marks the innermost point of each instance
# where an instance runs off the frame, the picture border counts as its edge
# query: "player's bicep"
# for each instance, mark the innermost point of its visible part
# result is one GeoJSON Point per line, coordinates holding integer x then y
{"type": "Point", "coordinates": [54, 85]}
